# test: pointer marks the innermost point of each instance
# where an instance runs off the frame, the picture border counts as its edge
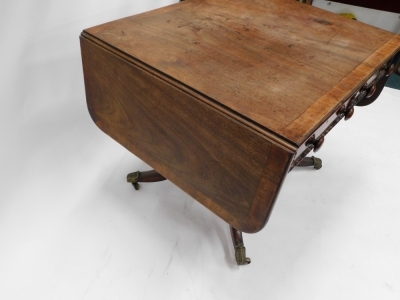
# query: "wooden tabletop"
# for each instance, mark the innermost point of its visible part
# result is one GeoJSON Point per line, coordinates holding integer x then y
{"type": "Point", "coordinates": [278, 64]}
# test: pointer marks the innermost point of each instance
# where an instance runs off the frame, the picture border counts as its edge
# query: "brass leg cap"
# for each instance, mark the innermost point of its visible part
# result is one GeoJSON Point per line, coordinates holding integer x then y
{"type": "Point", "coordinates": [317, 163]}
{"type": "Point", "coordinates": [133, 178]}
{"type": "Point", "coordinates": [240, 254]}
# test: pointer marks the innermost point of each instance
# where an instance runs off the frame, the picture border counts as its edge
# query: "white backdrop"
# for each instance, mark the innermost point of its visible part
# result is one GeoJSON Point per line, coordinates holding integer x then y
{"type": "Point", "coordinates": [72, 228]}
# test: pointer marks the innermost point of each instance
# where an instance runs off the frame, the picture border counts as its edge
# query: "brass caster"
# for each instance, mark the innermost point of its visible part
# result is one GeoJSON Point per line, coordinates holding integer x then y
{"type": "Point", "coordinates": [311, 162]}
{"type": "Point", "coordinates": [133, 178]}
{"type": "Point", "coordinates": [136, 185]}
{"type": "Point", "coordinates": [317, 162]}
{"type": "Point", "coordinates": [240, 255]}
{"type": "Point", "coordinates": [146, 176]}
{"type": "Point", "coordinates": [240, 249]}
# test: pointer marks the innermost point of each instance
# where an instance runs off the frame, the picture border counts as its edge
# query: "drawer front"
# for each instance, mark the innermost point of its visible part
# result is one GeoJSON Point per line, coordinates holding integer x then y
{"type": "Point", "coordinates": [368, 93]}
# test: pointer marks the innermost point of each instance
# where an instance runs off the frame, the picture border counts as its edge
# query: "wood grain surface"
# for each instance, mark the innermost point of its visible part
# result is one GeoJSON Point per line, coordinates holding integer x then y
{"type": "Point", "coordinates": [280, 64]}
{"type": "Point", "coordinates": [218, 161]}
{"type": "Point", "coordinates": [218, 96]}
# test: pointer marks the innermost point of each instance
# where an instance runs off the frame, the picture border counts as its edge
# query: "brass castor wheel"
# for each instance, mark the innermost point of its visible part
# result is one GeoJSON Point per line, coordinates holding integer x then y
{"type": "Point", "coordinates": [311, 162]}
{"type": "Point", "coordinates": [317, 162]}
{"type": "Point", "coordinates": [133, 178]}
{"type": "Point", "coordinates": [240, 255]}
{"type": "Point", "coordinates": [240, 249]}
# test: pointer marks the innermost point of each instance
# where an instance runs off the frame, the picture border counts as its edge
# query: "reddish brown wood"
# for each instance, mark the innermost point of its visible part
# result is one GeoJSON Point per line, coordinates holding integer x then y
{"type": "Point", "coordinates": [349, 114]}
{"type": "Point", "coordinates": [318, 144]}
{"type": "Point", "coordinates": [371, 91]}
{"type": "Point", "coordinates": [220, 96]}
{"type": "Point", "coordinates": [150, 176]}
{"type": "Point", "coordinates": [306, 162]}
{"type": "Point", "coordinates": [213, 158]}
{"type": "Point", "coordinates": [256, 63]}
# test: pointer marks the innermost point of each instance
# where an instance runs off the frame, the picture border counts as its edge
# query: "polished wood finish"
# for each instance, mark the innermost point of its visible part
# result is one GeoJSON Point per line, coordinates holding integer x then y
{"type": "Point", "coordinates": [254, 59]}
{"type": "Point", "coordinates": [318, 144]}
{"type": "Point", "coordinates": [150, 176]}
{"type": "Point", "coordinates": [374, 89]}
{"type": "Point", "coordinates": [220, 96]}
{"type": "Point", "coordinates": [349, 114]}
{"type": "Point", "coordinates": [228, 167]}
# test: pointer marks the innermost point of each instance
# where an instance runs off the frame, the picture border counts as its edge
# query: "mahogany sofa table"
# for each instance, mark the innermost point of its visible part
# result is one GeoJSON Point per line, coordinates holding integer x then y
{"type": "Point", "coordinates": [224, 97]}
